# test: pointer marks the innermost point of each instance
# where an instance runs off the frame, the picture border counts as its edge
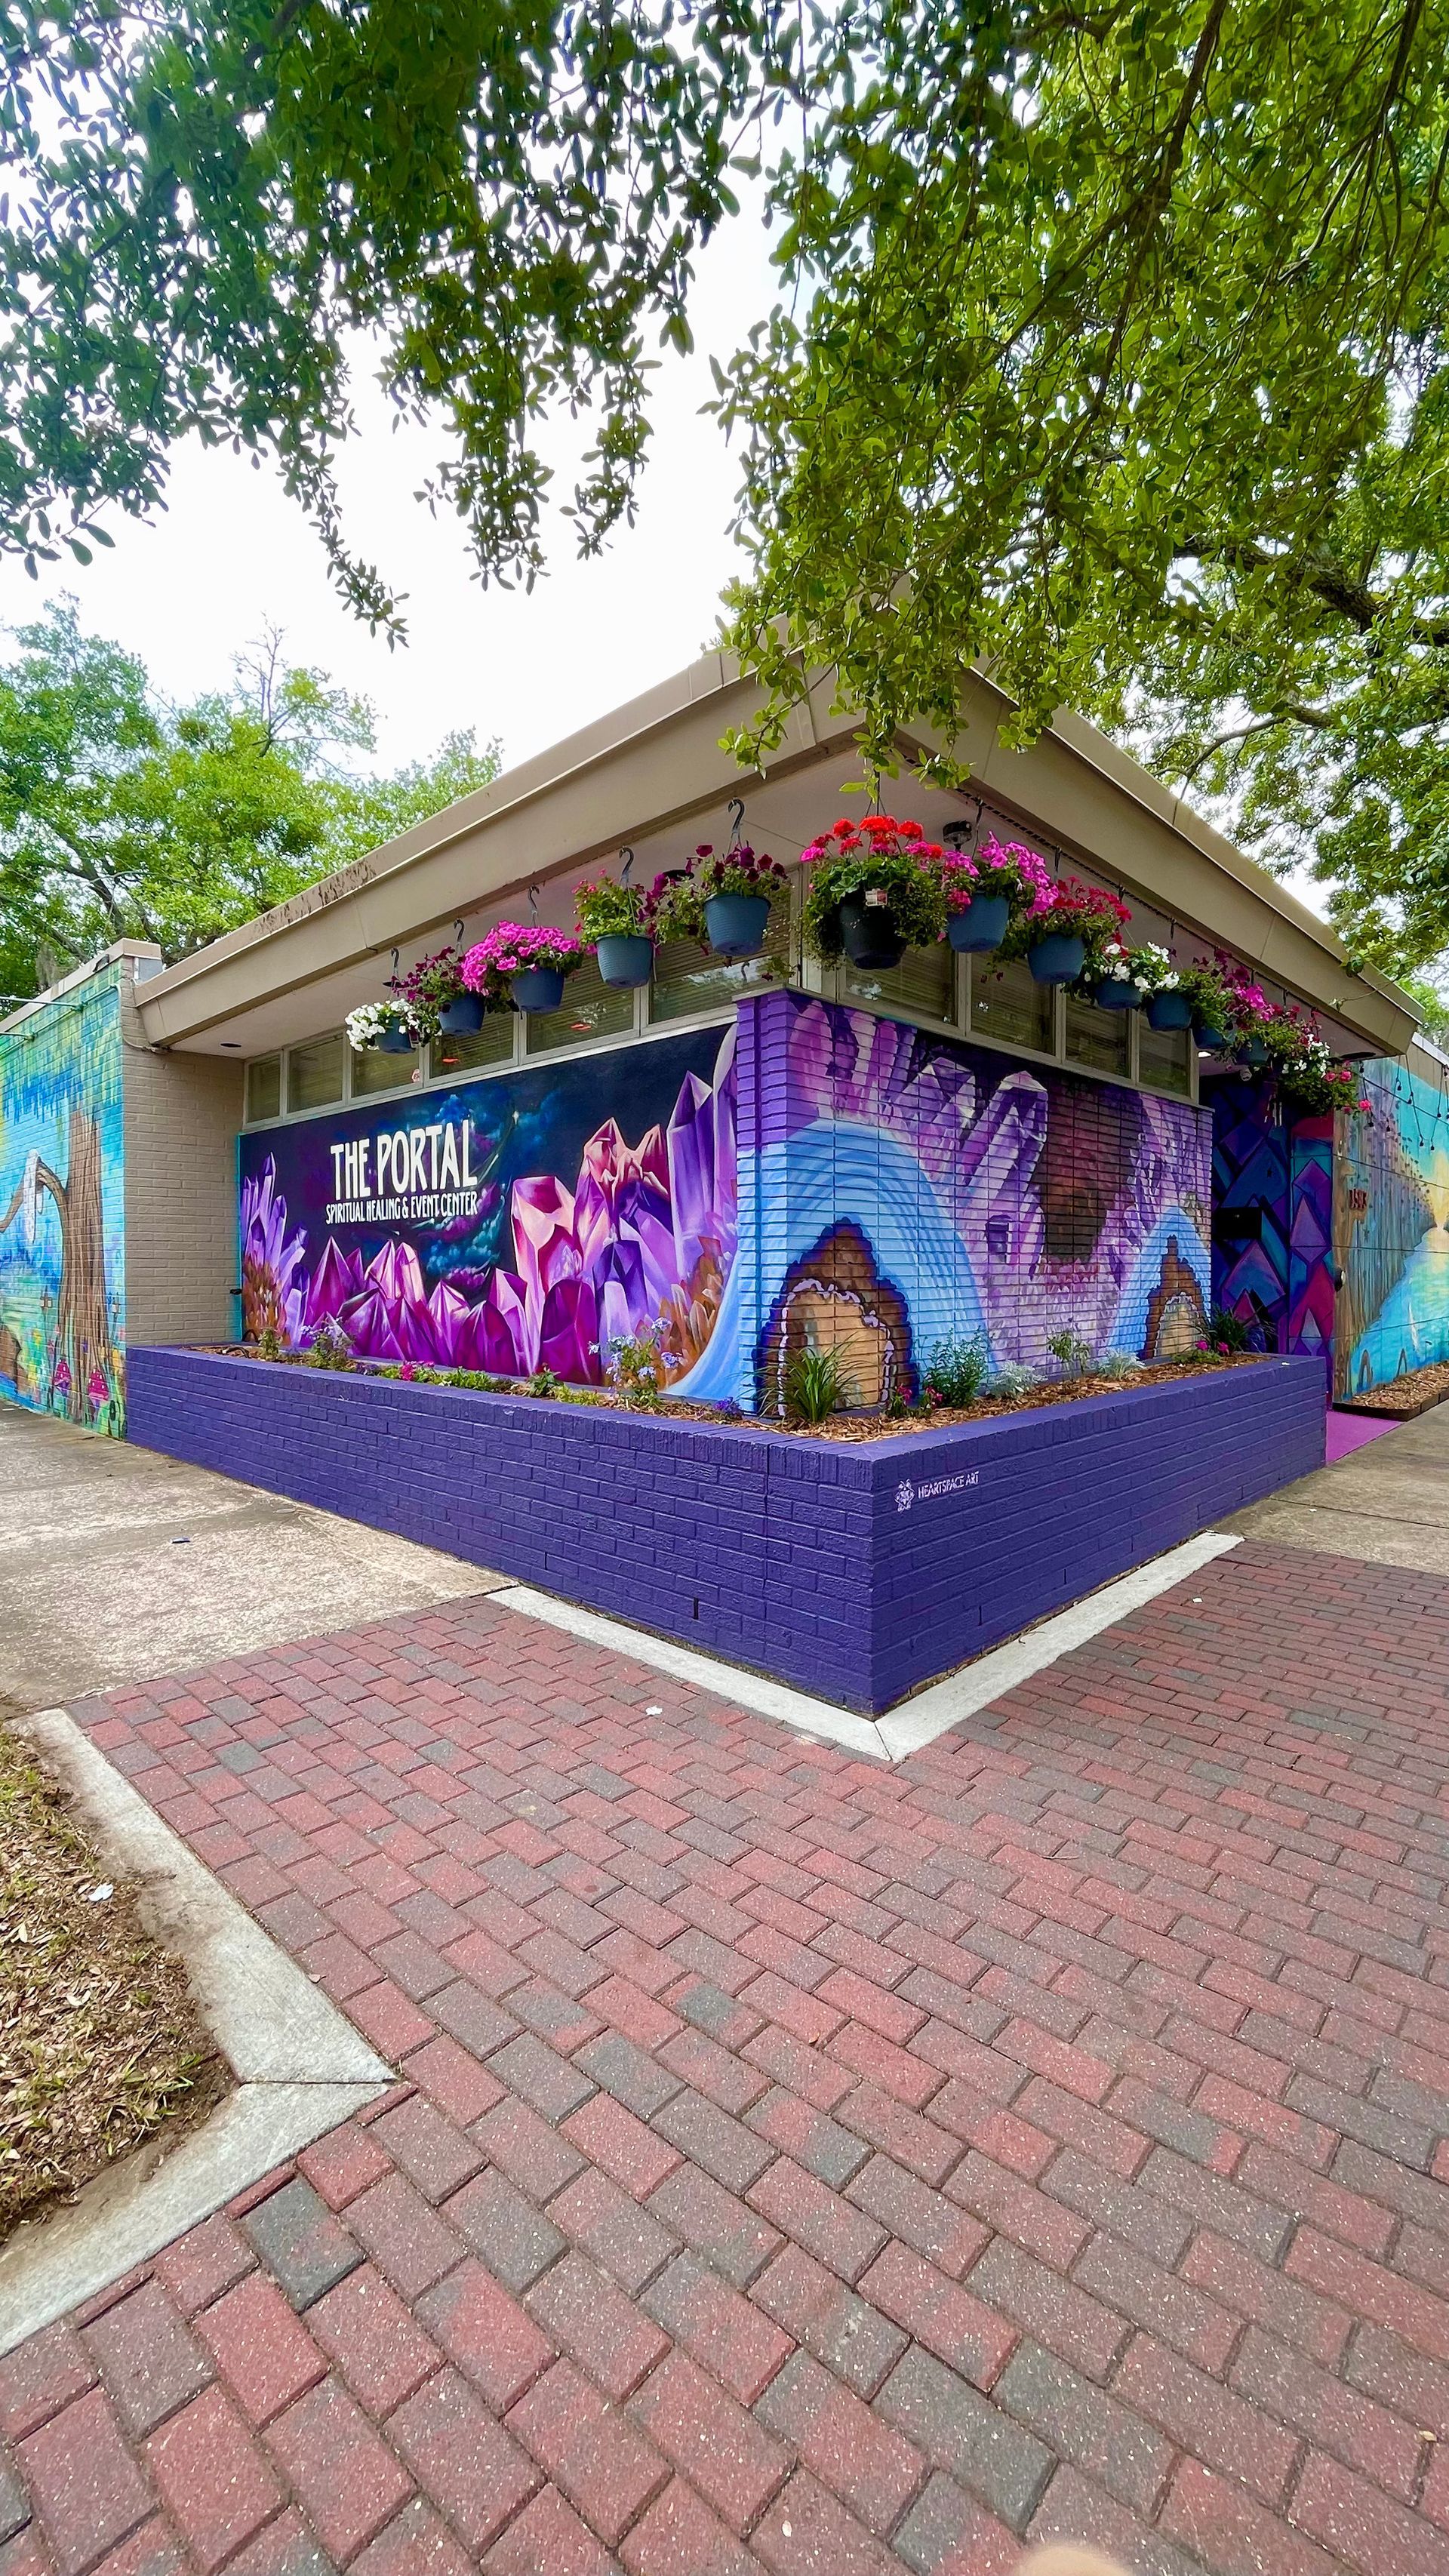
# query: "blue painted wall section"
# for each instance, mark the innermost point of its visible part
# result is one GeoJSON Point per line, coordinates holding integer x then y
{"type": "Point", "coordinates": [855, 1570]}
{"type": "Point", "coordinates": [62, 1208]}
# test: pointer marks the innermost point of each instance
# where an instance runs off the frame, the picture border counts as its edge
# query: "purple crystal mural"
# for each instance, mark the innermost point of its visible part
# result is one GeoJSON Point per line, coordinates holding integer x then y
{"type": "Point", "coordinates": [902, 1189]}
{"type": "Point", "coordinates": [506, 1225]}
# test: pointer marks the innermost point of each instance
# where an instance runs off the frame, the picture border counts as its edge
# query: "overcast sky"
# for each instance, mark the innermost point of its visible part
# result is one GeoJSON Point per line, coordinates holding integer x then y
{"type": "Point", "coordinates": [232, 552]}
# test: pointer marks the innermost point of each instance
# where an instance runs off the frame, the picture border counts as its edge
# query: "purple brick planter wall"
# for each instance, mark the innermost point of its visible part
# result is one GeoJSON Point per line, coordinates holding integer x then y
{"type": "Point", "coordinates": [855, 1571]}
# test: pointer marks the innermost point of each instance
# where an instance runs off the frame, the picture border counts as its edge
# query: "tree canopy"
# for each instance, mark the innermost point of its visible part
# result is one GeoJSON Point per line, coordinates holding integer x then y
{"type": "Point", "coordinates": [124, 817]}
{"type": "Point", "coordinates": [1110, 351]}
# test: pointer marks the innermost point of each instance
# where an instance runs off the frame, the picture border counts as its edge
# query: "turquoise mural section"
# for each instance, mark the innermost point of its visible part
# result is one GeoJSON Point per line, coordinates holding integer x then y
{"type": "Point", "coordinates": [62, 1211]}
{"type": "Point", "coordinates": [1392, 1232]}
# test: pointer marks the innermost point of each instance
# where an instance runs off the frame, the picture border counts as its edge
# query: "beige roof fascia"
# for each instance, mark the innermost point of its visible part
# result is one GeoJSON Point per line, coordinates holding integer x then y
{"type": "Point", "coordinates": [1090, 795]}
{"type": "Point", "coordinates": [638, 771]}
{"type": "Point", "coordinates": [654, 762]}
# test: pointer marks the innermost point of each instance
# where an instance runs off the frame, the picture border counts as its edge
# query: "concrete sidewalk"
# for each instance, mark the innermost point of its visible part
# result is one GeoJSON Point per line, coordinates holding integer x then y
{"type": "Point", "coordinates": [1386, 1504]}
{"type": "Point", "coordinates": [116, 1563]}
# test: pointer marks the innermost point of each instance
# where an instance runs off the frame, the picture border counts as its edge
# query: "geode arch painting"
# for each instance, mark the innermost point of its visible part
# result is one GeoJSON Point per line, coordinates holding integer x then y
{"type": "Point", "coordinates": [903, 1189]}
{"type": "Point", "coordinates": [510, 1224]}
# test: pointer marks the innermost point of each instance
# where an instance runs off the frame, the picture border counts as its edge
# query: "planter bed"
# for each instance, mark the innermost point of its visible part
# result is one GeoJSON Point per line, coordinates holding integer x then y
{"type": "Point", "coordinates": [856, 1570]}
{"type": "Point", "coordinates": [839, 1426]}
{"type": "Point", "coordinates": [1400, 1398]}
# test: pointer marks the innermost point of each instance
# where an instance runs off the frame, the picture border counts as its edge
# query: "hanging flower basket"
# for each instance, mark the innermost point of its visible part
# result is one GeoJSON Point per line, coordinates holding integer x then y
{"type": "Point", "coordinates": [1205, 993]}
{"type": "Point", "coordinates": [872, 890]}
{"type": "Point", "coordinates": [980, 925]}
{"type": "Point", "coordinates": [617, 922]}
{"type": "Point", "coordinates": [525, 963]}
{"type": "Point", "coordinates": [1063, 940]}
{"type": "Point", "coordinates": [724, 899]}
{"type": "Point", "coordinates": [1134, 976]}
{"type": "Point", "coordinates": [988, 888]}
{"type": "Point", "coordinates": [1057, 957]}
{"type": "Point", "coordinates": [432, 996]}
{"type": "Point", "coordinates": [870, 934]}
{"type": "Point", "coordinates": [380, 1028]}
{"type": "Point", "coordinates": [1169, 1011]}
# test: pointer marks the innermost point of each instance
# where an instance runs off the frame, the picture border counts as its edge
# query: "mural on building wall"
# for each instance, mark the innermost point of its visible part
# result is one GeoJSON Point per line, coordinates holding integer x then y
{"type": "Point", "coordinates": [62, 1278]}
{"type": "Point", "coordinates": [508, 1225]}
{"type": "Point", "coordinates": [906, 1188]}
{"type": "Point", "coordinates": [1250, 1210]}
{"type": "Point", "coordinates": [1273, 1203]}
{"type": "Point", "coordinates": [1392, 1227]}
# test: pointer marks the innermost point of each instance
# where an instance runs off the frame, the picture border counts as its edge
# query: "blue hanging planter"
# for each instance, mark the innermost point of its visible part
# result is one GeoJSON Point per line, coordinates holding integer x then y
{"type": "Point", "coordinates": [462, 1016]}
{"type": "Point", "coordinates": [735, 924]}
{"type": "Point", "coordinates": [1169, 1011]}
{"type": "Point", "coordinates": [537, 989]}
{"type": "Point", "coordinates": [626, 959]}
{"type": "Point", "coordinates": [393, 1039]}
{"type": "Point", "coordinates": [1253, 1053]}
{"type": "Point", "coordinates": [1211, 1040]}
{"type": "Point", "coordinates": [982, 926]}
{"type": "Point", "coordinates": [1057, 958]}
{"type": "Point", "coordinates": [1114, 994]}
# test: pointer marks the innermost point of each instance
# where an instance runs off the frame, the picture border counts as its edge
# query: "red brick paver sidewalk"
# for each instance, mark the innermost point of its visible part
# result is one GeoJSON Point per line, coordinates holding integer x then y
{"type": "Point", "coordinates": [800, 2165]}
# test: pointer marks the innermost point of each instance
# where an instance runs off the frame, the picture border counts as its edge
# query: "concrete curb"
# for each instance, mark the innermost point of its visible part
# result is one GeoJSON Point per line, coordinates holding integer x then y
{"type": "Point", "coordinates": [301, 2067]}
{"type": "Point", "coordinates": [913, 1723]}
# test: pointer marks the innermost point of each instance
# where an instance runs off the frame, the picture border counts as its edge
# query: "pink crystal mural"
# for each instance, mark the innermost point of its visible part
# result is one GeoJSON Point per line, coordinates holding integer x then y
{"type": "Point", "coordinates": [629, 1221]}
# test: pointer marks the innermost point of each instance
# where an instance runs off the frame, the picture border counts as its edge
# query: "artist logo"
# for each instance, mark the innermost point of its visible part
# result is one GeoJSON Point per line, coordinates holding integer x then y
{"type": "Point", "coordinates": [907, 1493]}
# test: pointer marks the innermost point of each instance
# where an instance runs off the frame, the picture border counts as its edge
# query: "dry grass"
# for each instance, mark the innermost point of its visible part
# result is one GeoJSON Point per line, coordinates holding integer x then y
{"type": "Point", "coordinates": [101, 2042]}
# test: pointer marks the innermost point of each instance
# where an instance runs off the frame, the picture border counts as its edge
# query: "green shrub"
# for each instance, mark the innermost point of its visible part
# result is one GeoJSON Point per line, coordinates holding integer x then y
{"type": "Point", "coordinates": [955, 1370]}
{"type": "Point", "coordinates": [1227, 1330]}
{"type": "Point", "coordinates": [815, 1386]}
{"type": "Point", "coordinates": [1073, 1356]}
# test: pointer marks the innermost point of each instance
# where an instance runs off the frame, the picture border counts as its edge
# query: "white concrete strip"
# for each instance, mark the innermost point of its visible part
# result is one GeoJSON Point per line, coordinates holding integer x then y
{"type": "Point", "coordinates": [916, 1722]}
{"type": "Point", "coordinates": [727, 1681]}
{"type": "Point", "coordinates": [302, 2067]}
{"type": "Point", "coordinates": [149, 2199]}
{"type": "Point", "coordinates": [919, 1721]}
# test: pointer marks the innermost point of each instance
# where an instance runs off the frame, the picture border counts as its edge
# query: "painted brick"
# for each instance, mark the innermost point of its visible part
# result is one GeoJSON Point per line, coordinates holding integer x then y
{"type": "Point", "coordinates": [638, 1508]}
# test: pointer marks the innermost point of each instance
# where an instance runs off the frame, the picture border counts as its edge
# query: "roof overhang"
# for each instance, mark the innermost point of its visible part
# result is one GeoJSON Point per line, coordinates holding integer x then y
{"type": "Point", "coordinates": [653, 777]}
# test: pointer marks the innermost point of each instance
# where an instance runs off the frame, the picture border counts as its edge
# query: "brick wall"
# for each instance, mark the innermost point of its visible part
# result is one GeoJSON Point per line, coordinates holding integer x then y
{"type": "Point", "coordinates": [899, 1189]}
{"type": "Point", "coordinates": [182, 1113]}
{"type": "Point", "coordinates": [804, 1559]}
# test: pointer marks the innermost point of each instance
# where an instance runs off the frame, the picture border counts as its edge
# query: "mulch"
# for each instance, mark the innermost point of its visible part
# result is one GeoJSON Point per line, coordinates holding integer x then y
{"type": "Point", "coordinates": [1400, 1398]}
{"type": "Point", "coordinates": [841, 1426]}
{"type": "Point", "coordinates": [101, 2042]}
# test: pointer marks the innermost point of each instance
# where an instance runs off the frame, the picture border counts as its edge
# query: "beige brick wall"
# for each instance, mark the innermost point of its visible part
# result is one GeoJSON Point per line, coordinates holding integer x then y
{"type": "Point", "coordinates": [182, 1113]}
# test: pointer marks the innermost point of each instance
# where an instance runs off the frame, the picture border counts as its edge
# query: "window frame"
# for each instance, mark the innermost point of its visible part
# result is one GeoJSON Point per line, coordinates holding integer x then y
{"type": "Point", "coordinates": [804, 975]}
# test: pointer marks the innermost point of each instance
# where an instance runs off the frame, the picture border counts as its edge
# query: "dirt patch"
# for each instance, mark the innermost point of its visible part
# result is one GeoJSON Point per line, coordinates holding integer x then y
{"type": "Point", "coordinates": [1402, 1397]}
{"type": "Point", "coordinates": [841, 1426]}
{"type": "Point", "coordinates": [101, 2042]}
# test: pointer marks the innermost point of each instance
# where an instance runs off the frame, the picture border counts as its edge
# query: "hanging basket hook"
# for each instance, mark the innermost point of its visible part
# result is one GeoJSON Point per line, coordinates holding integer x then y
{"type": "Point", "coordinates": [394, 965]}
{"type": "Point", "coordinates": [737, 816]}
{"type": "Point", "coordinates": [458, 933]}
{"type": "Point", "coordinates": [533, 901]}
{"type": "Point", "coordinates": [628, 858]}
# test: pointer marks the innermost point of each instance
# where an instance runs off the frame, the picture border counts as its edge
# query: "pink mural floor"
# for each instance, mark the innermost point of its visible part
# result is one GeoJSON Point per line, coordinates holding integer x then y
{"type": "Point", "coordinates": [1349, 1431]}
{"type": "Point", "coordinates": [799, 2167]}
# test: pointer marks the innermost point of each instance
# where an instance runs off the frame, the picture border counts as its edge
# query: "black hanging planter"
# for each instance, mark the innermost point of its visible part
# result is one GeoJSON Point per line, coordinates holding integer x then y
{"type": "Point", "coordinates": [868, 931]}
